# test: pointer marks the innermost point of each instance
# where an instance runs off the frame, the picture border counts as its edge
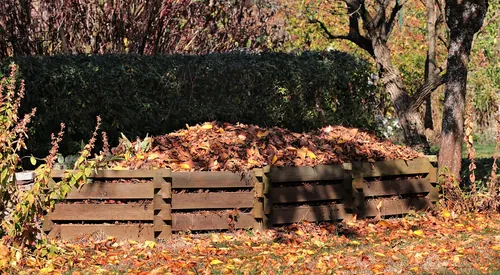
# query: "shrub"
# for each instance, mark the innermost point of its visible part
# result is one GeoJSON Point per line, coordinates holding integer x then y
{"type": "Point", "coordinates": [137, 94]}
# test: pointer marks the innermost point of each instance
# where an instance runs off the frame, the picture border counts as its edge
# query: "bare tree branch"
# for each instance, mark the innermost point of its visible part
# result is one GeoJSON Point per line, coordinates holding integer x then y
{"type": "Point", "coordinates": [425, 90]}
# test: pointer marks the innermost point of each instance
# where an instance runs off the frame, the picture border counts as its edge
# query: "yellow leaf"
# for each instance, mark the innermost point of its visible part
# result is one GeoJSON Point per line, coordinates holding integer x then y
{"type": "Point", "coordinates": [414, 269]}
{"type": "Point", "coordinates": [311, 155]}
{"type": "Point", "coordinates": [419, 233]}
{"type": "Point", "coordinates": [445, 213]}
{"type": "Point", "coordinates": [150, 244]}
{"type": "Point", "coordinates": [379, 205]}
{"type": "Point", "coordinates": [496, 247]}
{"type": "Point", "coordinates": [46, 270]}
{"type": "Point", "coordinates": [216, 262]}
{"type": "Point", "coordinates": [262, 134]}
{"type": "Point", "coordinates": [207, 126]}
{"type": "Point", "coordinates": [185, 166]}
{"type": "Point", "coordinates": [153, 156]}
{"type": "Point", "coordinates": [132, 242]}
{"type": "Point", "coordinates": [379, 254]}
{"type": "Point", "coordinates": [275, 159]}
{"type": "Point", "coordinates": [230, 267]}
{"type": "Point", "coordinates": [355, 243]}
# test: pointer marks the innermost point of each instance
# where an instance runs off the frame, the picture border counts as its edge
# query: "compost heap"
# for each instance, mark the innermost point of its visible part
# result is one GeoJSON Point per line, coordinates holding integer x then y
{"type": "Point", "coordinates": [218, 146]}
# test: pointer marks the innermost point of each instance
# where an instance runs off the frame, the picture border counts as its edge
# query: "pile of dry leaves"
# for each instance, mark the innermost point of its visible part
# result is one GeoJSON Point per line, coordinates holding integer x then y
{"type": "Point", "coordinates": [227, 147]}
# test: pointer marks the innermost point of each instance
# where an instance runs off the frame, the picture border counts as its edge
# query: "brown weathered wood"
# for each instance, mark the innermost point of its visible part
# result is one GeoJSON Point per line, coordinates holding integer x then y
{"type": "Point", "coordinates": [158, 202]}
{"type": "Point", "coordinates": [348, 200]}
{"type": "Point", "coordinates": [138, 232]}
{"type": "Point", "coordinates": [396, 206]}
{"type": "Point", "coordinates": [306, 173]}
{"type": "Point", "coordinates": [47, 224]}
{"type": "Point", "coordinates": [396, 187]}
{"type": "Point", "coordinates": [119, 174]}
{"type": "Point", "coordinates": [307, 193]}
{"type": "Point", "coordinates": [359, 197]}
{"type": "Point", "coordinates": [391, 168]}
{"type": "Point", "coordinates": [206, 180]}
{"type": "Point", "coordinates": [110, 190]}
{"type": "Point", "coordinates": [165, 212]}
{"type": "Point", "coordinates": [212, 200]}
{"type": "Point", "coordinates": [258, 210]}
{"type": "Point", "coordinates": [183, 222]}
{"type": "Point", "coordinates": [102, 212]}
{"type": "Point", "coordinates": [432, 176]}
{"type": "Point", "coordinates": [259, 190]}
{"type": "Point", "coordinates": [308, 213]}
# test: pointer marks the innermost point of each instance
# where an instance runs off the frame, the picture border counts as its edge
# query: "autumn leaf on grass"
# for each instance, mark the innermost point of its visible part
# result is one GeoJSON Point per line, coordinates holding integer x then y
{"type": "Point", "coordinates": [216, 262]}
{"type": "Point", "coordinates": [496, 247]}
{"type": "Point", "coordinates": [419, 233]}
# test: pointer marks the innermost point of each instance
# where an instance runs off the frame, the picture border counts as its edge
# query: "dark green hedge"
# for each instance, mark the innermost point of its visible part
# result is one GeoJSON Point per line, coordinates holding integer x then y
{"type": "Point", "coordinates": [158, 94]}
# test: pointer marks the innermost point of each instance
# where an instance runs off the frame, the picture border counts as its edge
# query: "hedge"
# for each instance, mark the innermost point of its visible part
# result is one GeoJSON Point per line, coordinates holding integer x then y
{"type": "Point", "coordinates": [137, 94]}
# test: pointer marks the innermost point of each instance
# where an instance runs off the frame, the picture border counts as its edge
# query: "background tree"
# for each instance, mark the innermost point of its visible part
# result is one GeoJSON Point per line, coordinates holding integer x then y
{"type": "Point", "coordinates": [370, 26]}
{"type": "Point", "coordinates": [464, 19]}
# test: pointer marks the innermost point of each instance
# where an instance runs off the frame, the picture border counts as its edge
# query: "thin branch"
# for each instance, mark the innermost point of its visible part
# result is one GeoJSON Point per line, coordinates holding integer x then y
{"type": "Point", "coordinates": [390, 23]}
{"type": "Point", "coordinates": [327, 32]}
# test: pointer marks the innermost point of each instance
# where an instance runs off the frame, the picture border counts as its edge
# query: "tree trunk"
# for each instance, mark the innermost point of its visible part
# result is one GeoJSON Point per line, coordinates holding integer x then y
{"type": "Point", "coordinates": [410, 120]}
{"type": "Point", "coordinates": [430, 62]}
{"type": "Point", "coordinates": [464, 19]}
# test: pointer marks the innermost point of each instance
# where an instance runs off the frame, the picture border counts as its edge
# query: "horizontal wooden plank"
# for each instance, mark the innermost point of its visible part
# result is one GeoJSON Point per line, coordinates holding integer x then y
{"type": "Point", "coordinates": [396, 187]}
{"type": "Point", "coordinates": [396, 206]}
{"type": "Point", "coordinates": [308, 213]}
{"type": "Point", "coordinates": [307, 193]}
{"type": "Point", "coordinates": [184, 222]}
{"type": "Point", "coordinates": [117, 174]}
{"type": "Point", "coordinates": [306, 173]}
{"type": "Point", "coordinates": [202, 180]}
{"type": "Point", "coordinates": [391, 168]}
{"type": "Point", "coordinates": [212, 200]}
{"type": "Point", "coordinates": [102, 212]}
{"type": "Point", "coordinates": [110, 190]}
{"type": "Point", "coordinates": [137, 232]}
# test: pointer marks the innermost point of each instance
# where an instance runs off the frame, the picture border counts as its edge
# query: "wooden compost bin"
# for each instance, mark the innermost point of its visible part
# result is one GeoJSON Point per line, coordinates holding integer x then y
{"type": "Point", "coordinates": [221, 201]}
{"type": "Point", "coordinates": [334, 192]}
{"type": "Point", "coordinates": [144, 215]}
{"type": "Point", "coordinates": [212, 201]}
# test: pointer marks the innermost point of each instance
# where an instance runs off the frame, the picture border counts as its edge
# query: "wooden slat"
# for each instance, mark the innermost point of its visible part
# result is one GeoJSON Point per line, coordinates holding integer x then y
{"type": "Point", "coordinates": [117, 174]}
{"type": "Point", "coordinates": [138, 232]}
{"type": "Point", "coordinates": [306, 173]}
{"type": "Point", "coordinates": [308, 213]}
{"type": "Point", "coordinates": [110, 190]}
{"type": "Point", "coordinates": [212, 200]}
{"type": "Point", "coordinates": [102, 212]}
{"type": "Point", "coordinates": [183, 222]}
{"type": "Point", "coordinates": [391, 168]}
{"type": "Point", "coordinates": [210, 180]}
{"type": "Point", "coordinates": [307, 193]}
{"type": "Point", "coordinates": [396, 207]}
{"type": "Point", "coordinates": [396, 187]}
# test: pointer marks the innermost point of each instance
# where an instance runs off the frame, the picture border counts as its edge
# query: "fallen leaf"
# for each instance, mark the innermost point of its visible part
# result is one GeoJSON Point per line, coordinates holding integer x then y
{"type": "Point", "coordinates": [216, 262]}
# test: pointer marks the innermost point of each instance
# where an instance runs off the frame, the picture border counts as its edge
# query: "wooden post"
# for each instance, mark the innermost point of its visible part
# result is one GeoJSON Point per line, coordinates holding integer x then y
{"type": "Point", "coordinates": [162, 205]}
{"type": "Point", "coordinates": [267, 221]}
{"type": "Point", "coordinates": [258, 207]}
{"type": "Point", "coordinates": [349, 193]}
{"type": "Point", "coordinates": [263, 206]}
{"type": "Point", "coordinates": [432, 176]}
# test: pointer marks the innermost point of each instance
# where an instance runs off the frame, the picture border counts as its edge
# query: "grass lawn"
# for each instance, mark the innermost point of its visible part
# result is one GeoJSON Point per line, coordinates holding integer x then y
{"type": "Point", "coordinates": [423, 244]}
{"type": "Point", "coordinates": [482, 151]}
